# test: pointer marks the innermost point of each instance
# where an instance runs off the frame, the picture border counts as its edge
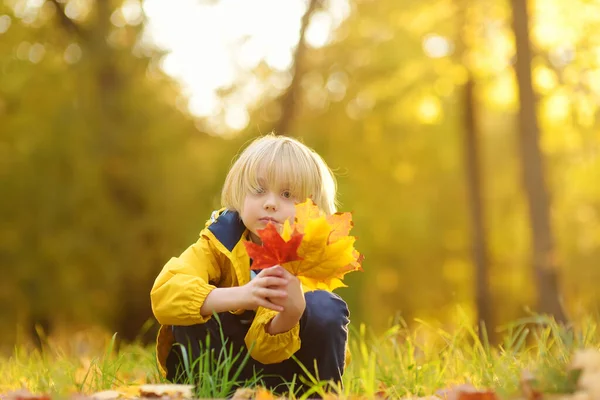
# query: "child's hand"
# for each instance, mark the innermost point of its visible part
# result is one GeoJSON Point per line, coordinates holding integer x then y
{"type": "Point", "coordinates": [293, 307]}
{"type": "Point", "coordinates": [295, 303]}
{"type": "Point", "coordinates": [267, 290]}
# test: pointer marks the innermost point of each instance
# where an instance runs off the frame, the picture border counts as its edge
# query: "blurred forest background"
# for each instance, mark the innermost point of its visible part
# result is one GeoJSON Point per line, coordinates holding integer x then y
{"type": "Point", "coordinates": [464, 135]}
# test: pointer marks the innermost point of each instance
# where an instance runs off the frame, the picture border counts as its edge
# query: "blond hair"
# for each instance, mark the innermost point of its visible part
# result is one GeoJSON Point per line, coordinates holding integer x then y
{"type": "Point", "coordinates": [281, 161]}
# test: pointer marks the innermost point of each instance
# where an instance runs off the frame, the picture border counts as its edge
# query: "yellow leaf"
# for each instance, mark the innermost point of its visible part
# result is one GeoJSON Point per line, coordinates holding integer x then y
{"type": "Point", "coordinates": [306, 211]}
{"type": "Point", "coordinates": [329, 284]}
{"type": "Point", "coordinates": [286, 234]}
{"type": "Point", "coordinates": [323, 263]}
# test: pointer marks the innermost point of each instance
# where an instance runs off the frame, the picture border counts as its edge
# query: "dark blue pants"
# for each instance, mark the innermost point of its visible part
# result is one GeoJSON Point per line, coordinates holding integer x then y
{"type": "Point", "coordinates": [323, 335]}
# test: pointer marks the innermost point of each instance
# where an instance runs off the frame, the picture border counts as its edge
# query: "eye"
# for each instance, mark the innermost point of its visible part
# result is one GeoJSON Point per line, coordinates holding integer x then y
{"type": "Point", "coordinates": [258, 190]}
{"type": "Point", "coordinates": [286, 194]}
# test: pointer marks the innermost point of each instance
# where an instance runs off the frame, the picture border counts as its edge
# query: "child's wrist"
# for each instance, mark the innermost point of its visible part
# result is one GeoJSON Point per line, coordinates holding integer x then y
{"type": "Point", "coordinates": [239, 298]}
{"type": "Point", "coordinates": [283, 322]}
{"type": "Point", "coordinates": [293, 313]}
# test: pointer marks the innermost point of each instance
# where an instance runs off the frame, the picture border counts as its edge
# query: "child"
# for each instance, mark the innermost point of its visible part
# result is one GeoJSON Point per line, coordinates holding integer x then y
{"type": "Point", "coordinates": [268, 312]}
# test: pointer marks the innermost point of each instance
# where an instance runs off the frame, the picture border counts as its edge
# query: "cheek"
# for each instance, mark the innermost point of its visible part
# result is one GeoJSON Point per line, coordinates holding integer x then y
{"type": "Point", "coordinates": [246, 206]}
{"type": "Point", "coordinates": [291, 210]}
{"type": "Point", "coordinates": [250, 205]}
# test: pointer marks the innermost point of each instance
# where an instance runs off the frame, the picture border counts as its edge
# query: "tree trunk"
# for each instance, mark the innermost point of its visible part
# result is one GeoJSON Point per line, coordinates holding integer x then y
{"type": "Point", "coordinates": [472, 165]}
{"type": "Point", "coordinates": [544, 257]}
{"type": "Point", "coordinates": [474, 187]}
{"type": "Point", "coordinates": [289, 100]}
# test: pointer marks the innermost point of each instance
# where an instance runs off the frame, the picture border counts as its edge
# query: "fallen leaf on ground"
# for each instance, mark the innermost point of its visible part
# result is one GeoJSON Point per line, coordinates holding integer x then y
{"type": "Point", "coordinates": [23, 395]}
{"type": "Point", "coordinates": [263, 394]}
{"type": "Point", "coordinates": [466, 392]}
{"type": "Point", "coordinates": [527, 382]}
{"type": "Point", "coordinates": [243, 394]}
{"type": "Point", "coordinates": [170, 390]}
{"type": "Point", "coordinates": [107, 395]}
{"type": "Point", "coordinates": [587, 361]}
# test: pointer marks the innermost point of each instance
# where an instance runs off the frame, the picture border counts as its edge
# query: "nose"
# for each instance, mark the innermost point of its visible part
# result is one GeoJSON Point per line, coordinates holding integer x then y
{"type": "Point", "coordinates": [270, 202]}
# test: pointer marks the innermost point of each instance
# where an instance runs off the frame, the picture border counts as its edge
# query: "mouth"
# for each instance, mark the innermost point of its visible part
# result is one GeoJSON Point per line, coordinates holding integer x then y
{"type": "Point", "coordinates": [266, 220]}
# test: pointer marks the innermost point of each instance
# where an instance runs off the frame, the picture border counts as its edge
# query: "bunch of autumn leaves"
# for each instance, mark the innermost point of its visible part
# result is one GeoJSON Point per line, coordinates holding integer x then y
{"type": "Point", "coordinates": [317, 248]}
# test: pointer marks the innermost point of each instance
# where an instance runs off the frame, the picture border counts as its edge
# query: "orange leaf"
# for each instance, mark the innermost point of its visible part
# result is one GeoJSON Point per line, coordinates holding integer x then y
{"type": "Point", "coordinates": [341, 224]}
{"type": "Point", "coordinates": [264, 394]}
{"type": "Point", "coordinates": [466, 392]}
{"type": "Point", "coordinates": [274, 249]}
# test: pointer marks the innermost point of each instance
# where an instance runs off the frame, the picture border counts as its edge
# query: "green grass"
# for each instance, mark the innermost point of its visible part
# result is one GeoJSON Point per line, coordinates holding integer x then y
{"type": "Point", "coordinates": [400, 362]}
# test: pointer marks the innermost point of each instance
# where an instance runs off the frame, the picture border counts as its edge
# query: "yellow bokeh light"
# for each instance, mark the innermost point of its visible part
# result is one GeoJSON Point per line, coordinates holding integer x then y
{"type": "Point", "coordinates": [502, 92]}
{"type": "Point", "coordinates": [592, 79]}
{"type": "Point", "coordinates": [571, 75]}
{"type": "Point", "coordinates": [544, 79]}
{"type": "Point", "coordinates": [556, 108]}
{"type": "Point", "coordinates": [546, 35]}
{"type": "Point", "coordinates": [586, 112]}
{"type": "Point", "coordinates": [554, 24]}
{"type": "Point", "coordinates": [429, 110]}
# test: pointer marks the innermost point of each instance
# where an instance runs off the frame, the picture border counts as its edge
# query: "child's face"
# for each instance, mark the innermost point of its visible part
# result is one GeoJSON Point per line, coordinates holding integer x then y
{"type": "Point", "coordinates": [267, 205]}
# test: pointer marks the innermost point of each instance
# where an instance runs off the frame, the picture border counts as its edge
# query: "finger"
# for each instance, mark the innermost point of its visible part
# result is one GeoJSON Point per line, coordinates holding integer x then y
{"type": "Point", "coordinates": [266, 293]}
{"type": "Point", "coordinates": [263, 294]}
{"type": "Point", "coordinates": [273, 281]}
{"type": "Point", "coordinates": [275, 270]}
{"type": "Point", "coordinates": [285, 273]}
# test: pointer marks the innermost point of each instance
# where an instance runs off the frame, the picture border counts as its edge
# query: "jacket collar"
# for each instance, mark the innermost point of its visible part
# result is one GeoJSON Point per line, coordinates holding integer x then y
{"type": "Point", "coordinates": [228, 229]}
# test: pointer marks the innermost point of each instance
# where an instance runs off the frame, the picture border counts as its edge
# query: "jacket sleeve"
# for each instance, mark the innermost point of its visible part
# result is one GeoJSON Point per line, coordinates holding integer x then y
{"type": "Point", "coordinates": [181, 287]}
{"type": "Point", "coordinates": [270, 349]}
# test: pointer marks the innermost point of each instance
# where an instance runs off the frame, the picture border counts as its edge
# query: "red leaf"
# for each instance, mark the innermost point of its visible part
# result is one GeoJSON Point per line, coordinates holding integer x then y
{"type": "Point", "coordinates": [274, 250]}
{"type": "Point", "coordinates": [482, 395]}
{"type": "Point", "coordinates": [466, 392]}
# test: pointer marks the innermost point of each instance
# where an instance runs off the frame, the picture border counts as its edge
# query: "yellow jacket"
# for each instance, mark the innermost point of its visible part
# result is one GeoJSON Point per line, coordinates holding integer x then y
{"type": "Point", "coordinates": [217, 259]}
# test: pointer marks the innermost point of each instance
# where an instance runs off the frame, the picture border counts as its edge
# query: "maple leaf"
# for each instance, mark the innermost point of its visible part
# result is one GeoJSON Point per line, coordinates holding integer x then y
{"type": "Point", "coordinates": [340, 226]}
{"type": "Point", "coordinates": [317, 249]}
{"type": "Point", "coordinates": [275, 249]}
{"type": "Point", "coordinates": [327, 251]}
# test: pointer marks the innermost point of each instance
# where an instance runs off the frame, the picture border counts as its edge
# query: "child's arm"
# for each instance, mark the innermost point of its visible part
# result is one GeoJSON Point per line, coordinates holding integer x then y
{"type": "Point", "coordinates": [182, 286]}
{"type": "Point", "coordinates": [266, 290]}
{"type": "Point", "coordinates": [182, 294]}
